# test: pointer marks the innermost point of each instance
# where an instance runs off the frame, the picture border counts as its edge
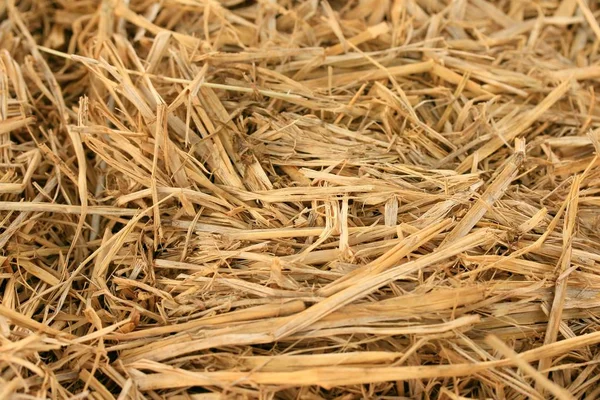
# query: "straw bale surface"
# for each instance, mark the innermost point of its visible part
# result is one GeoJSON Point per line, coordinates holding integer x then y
{"type": "Point", "coordinates": [265, 199]}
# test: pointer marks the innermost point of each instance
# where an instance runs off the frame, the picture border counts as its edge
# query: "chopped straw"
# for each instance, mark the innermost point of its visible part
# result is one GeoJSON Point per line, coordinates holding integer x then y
{"type": "Point", "coordinates": [299, 199]}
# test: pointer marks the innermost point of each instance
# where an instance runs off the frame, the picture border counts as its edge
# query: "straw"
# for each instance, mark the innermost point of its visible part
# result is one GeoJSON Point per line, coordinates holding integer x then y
{"type": "Point", "coordinates": [311, 199]}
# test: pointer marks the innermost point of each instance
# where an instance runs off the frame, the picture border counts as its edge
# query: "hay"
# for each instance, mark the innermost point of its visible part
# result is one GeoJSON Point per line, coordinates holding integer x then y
{"type": "Point", "coordinates": [299, 199]}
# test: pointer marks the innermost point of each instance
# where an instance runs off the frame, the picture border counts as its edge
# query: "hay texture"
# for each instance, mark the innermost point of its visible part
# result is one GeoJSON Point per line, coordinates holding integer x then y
{"type": "Point", "coordinates": [265, 199]}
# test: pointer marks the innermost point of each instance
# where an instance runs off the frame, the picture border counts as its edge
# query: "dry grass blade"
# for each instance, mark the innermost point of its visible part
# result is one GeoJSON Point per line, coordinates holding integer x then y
{"type": "Point", "coordinates": [557, 391]}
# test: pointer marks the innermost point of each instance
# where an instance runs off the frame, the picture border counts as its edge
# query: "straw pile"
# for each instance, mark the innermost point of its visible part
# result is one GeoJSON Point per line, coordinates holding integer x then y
{"type": "Point", "coordinates": [299, 199]}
